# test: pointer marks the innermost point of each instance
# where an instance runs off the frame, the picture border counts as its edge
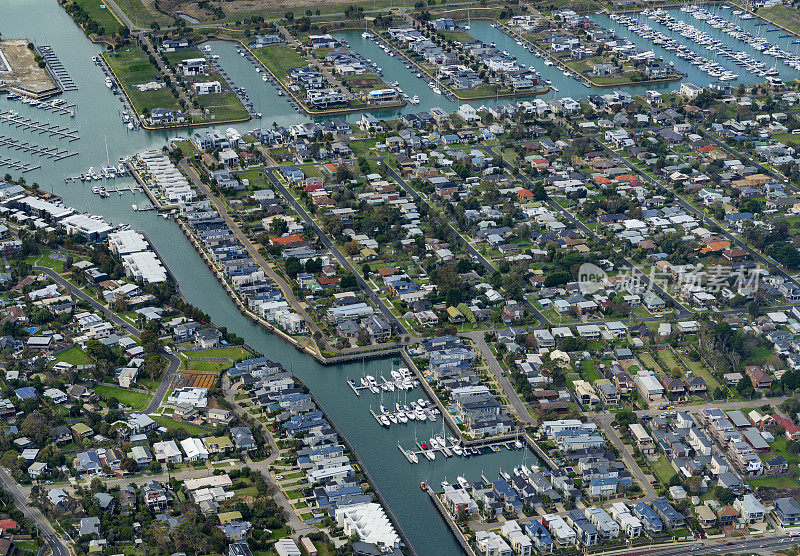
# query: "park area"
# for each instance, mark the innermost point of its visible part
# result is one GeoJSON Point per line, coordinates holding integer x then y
{"type": "Point", "coordinates": [280, 59]}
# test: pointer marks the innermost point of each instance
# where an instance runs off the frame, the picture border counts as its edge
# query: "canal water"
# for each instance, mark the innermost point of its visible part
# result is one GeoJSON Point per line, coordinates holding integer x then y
{"type": "Point", "coordinates": [99, 122]}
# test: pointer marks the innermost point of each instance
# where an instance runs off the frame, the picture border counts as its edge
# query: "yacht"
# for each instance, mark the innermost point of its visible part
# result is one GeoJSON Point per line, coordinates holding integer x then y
{"type": "Point", "coordinates": [414, 100]}
{"type": "Point", "coordinates": [462, 482]}
{"type": "Point", "coordinates": [384, 420]}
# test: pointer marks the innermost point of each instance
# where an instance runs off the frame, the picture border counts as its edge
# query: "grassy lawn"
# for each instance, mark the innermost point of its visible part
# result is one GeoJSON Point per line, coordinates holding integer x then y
{"type": "Point", "coordinates": [779, 447]}
{"type": "Point", "coordinates": [176, 425]}
{"type": "Point", "coordinates": [236, 353]}
{"type": "Point", "coordinates": [668, 360]}
{"type": "Point", "coordinates": [775, 482]}
{"type": "Point", "coordinates": [74, 356]}
{"type": "Point", "coordinates": [104, 16]}
{"type": "Point", "coordinates": [457, 35]}
{"type": "Point", "coordinates": [222, 106]}
{"type": "Point", "coordinates": [135, 400]}
{"type": "Point", "coordinates": [787, 16]}
{"type": "Point", "coordinates": [187, 148]}
{"type": "Point", "coordinates": [133, 67]}
{"type": "Point", "coordinates": [663, 469]}
{"type": "Point", "coordinates": [589, 372]}
{"type": "Point", "coordinates": [698, 369]}
{"type": "Point", "coordinates": [136, 10]}
{"type": "Point", "coordinates": [213, 366]}
{"type": "Point", "coordinates": [280, 58]}
{"type": "Point", "coordinates": [484, 90]}
{"type": "Point", "coordinates": [649, 363]}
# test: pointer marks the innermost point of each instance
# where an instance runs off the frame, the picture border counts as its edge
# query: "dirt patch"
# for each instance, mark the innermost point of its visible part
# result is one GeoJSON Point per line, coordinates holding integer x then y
{"type": "Point", "coordinates": [768, 494]}
{"type": "Point", "coordinates": [21, 72]}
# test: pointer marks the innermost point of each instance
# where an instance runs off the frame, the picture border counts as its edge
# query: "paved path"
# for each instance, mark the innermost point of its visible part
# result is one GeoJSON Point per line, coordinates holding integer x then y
{"type": "Point", "coordinates": [44, 527]}
{"type": "Point", "coordinates": [174, 360]}
{"type": "Point", "coordinates": [520, 407]}
{"type": "Point", "coordinates": [285, 288]}
{"type": "Point", "coordinates": [328, 243]}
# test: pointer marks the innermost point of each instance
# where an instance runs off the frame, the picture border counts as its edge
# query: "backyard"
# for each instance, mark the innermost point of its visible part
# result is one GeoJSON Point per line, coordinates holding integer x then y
{"type": "Point", "coordinates": [134, 400]}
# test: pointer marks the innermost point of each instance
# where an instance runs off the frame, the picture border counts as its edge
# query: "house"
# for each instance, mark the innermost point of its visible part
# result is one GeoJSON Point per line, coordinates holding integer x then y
{"type": "Point", "coordinates": [786, 511]}
{"type": "Point", "coordinates": [760, 379]}
{"type": "Point", "coordinates": [643, 440]}
{"type": "Point", "coordinates": [751, 509]}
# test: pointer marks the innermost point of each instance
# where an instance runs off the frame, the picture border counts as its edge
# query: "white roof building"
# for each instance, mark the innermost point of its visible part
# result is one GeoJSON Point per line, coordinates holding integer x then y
{"type": "Point", "coordinates": [195, 397]}
{"type": "Point", "coordinates": [369, 522]}
{"type": "Point", "coordinates": [167, 452]}
{"type": "Point", "coordinates": [194, 449]}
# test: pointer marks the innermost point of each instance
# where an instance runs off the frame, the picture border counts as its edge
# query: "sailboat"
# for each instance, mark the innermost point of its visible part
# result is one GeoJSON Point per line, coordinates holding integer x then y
{"type": "Point", "coordinates": [366, 34]}
{"type": "Point", "coordinates": [467, 26]}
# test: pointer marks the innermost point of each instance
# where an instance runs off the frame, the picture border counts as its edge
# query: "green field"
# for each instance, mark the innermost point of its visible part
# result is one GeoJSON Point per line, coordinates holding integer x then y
{"type": "Point", "coordinates": [787, 16]}
{"type": "Point", "coordinates": [136, 10]}
{"type": "Point", "coordinates": [775, 482]}
{"type": "Point", "coordinates": [74, 356]}
{"type": "Point", "coordinates": [176, 425]}
{"type": "Point", "coordinates": [135, 400]}
{"type": "Point", "coordinates": [589, 372]}
{"type": "Point", "coordinates": [223, 106]}
{"type": "Point", "coordinates": [649, 363]}
{"type": "Point", "coordinates": [663, 470]}
{"type": "Point", "coordinates": [457, 35]}
{"type": "Point", "coordinates": [132, 67]}
{"type": "Point", "coordinates": [214, 366]}
{"type": "Point", "coordinates": [235, 353]}
{"type": "Point", "coordinates": [669, 362]}
{"type": "Point", "coordinates": [103, 16]}
{"type": "Point", "coordinates": [280, 58]}
{"type": "Point", "coordinates": [779, 447]}
{"type": "Point", "coordinates": [699, 369]}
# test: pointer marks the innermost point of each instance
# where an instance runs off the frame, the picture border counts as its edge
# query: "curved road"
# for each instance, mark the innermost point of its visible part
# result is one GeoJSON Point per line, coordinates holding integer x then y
{"type": "Point", "coordinates": [174, 361]}
{"type": "Point", "coordinates": [46, 530]}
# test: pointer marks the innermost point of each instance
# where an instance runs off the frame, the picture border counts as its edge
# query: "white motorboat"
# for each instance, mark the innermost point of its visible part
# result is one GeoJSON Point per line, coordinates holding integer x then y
{"type": "Point", "coordinates": [384, 420]}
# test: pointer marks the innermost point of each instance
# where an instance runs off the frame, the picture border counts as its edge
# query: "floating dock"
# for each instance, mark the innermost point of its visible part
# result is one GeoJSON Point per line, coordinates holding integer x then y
{"type": "Point", "coordinates": [45, 152]}
{"type": "Point", "coordinates": [58, 70]}
{"type": "Point", "coordinates": [18, 165]}
{"type": "Point", "coordinates": [15, 120]}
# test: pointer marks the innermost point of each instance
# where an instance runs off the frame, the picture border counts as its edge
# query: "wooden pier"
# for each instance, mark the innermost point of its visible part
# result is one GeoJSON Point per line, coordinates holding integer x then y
{"type": "Point", "coordinates": [15, 120]}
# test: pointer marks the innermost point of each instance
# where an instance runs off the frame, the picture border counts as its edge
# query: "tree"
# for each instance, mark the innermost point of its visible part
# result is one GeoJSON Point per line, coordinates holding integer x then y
{"type": "Point", "coordinates": [293, 266]}
{"type": "Point", "coordinates": [745, 387]}
{"type": "Point", "coordinates": [128, 464]}
{"type": "Point", "coordinates": [724, 495]}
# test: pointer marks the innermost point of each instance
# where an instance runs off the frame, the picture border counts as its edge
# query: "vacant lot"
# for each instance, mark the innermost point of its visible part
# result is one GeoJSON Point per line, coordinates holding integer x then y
{"type": "Point", "coordinates": [668, 360]}
{"type": "Point", "coordinates": [786, 16]}
{"type": "Point", "coordinates": [74, 356]}
{"type": "Point", "coordinates": [649, 363]}
{"type": "Point", "coordinates": [700, 370]}
{"type": "Point", "coordinates": [134, 400]}
{"type": "Point", "coordinates": [663, 469]}
{"type": "Point", "coordinates": [103, 15]}
{"type": "Point", "coordinates": [132, 67]}
{"type": "Point", "coordinates": [280, 58]}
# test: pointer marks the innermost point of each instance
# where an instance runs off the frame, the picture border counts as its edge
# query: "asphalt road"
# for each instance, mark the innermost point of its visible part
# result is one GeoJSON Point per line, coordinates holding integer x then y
{"type": "Point", "coordinates": [328, 243]}
{"type": "Point", "coordinates": [285, 288]}
{"type": "Point", "coordinates": [520, 408]}
{"type": "Point", "coordinates": [174, 360]}
{"type": "Point", "coordinates": [46, 530]}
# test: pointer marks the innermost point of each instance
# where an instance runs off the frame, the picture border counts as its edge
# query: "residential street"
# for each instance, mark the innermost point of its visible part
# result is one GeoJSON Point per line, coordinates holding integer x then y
{"type": "Point", "coordinates": [55, 543]}
{"type": "Point", "coordinates": [174, 360]}
{"type": "Point", "coordinates": [519, 406]}
{"type": "Point", "coordinates": [328, 243]}
{"type": "Point", "coordinates": [252, 250]}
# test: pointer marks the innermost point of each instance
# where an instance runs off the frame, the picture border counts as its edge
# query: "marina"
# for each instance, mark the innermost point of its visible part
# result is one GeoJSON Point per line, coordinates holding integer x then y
{"type": "Point", "coordinates": [57, 69]}
{"type": "Point", "coordinates": [240, 92]}
{"type": "Point", "coordinates": [14, 119]}
{"type": "Point", "coordinates": [376, 445]}
{"type": "Point", "coordinates": [23, 167]}
{"type": "Point", "coordinates": [45, 152]}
